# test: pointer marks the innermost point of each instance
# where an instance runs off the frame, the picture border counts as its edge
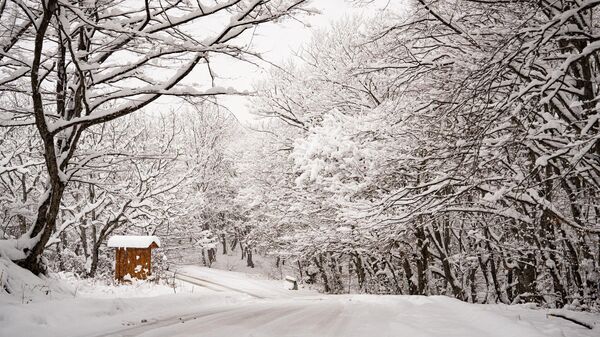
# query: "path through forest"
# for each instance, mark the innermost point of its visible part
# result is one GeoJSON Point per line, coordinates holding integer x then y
{"type": "Point", "coordinates": [271, 310]}
{"type": "Point", "coordinates": [221, 303]}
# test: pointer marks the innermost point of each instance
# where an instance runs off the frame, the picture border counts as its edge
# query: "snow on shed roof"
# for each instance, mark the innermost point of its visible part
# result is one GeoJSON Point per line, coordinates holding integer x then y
{"type": "Point", "coordinates": [132, 241]}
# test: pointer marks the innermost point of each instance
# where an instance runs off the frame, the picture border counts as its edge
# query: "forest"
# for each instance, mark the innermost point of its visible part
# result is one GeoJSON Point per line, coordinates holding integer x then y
{"type": "Point", "coordinates": [451, 147]}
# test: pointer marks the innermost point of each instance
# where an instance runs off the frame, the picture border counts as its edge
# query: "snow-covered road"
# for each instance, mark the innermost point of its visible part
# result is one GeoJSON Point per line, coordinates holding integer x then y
{"type": "Point", "coordinates": [361, 316]}
{"type": "Point", "coordinates": [274, 311]}
{"type": "Point", "coordinates": [239, 305]}
{"type": "Point", "coordinates": [345, 316]}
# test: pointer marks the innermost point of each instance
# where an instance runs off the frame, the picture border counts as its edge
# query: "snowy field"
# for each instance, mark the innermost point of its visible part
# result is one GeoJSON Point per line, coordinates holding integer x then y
{"type": "Point", "coordinates": [239, 304]}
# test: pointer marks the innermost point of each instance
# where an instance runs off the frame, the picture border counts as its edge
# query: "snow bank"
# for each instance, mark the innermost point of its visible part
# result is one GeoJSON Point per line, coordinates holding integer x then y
{"type": "Point", "coordinates": [12, 249]}
{"type": "Point", "coordinates": [14, 279]}
{"type": "Point", "coordinates": [23, 286]}
{"type": "Point", "coordinates": [18, 285]}
{"type": "Point", "coordinates": [81, 316]}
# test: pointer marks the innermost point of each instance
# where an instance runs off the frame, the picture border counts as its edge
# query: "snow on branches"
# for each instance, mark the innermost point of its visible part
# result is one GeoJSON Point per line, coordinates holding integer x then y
{"type": "Point", "coordinates": [463, 138]}
{"type": "Point", "coordinates": [74, 65]}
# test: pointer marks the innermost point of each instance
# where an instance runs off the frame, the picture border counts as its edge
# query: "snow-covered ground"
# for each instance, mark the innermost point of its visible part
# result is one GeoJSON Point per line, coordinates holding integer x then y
{"type": "Point", "coordinates": [238, 304]}
{"type": "Point", "coordinates": [264, 266]}
{"type": "Point", "coordinates": [252, 285]}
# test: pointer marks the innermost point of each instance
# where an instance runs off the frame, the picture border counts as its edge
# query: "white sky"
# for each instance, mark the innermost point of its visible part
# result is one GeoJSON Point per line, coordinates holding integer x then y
{"type": "Point", "coordinates": [277, 42]}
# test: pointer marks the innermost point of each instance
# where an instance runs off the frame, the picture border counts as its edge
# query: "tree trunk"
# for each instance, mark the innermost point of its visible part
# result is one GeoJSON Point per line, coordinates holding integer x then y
{"type": "Point", "coordinates": [224, 243]}
{"type": "Point", "coordinates": [483, 261]}
{"type": "Point", "coordinates": [300, 269]}
{"type": "Point", "coordinates": [94, 255]}
{"type": "Point", "coordinates": [422, 260]}
{"type": "Point", "coordinates": [83, 238]}
{"type": "Point", "coordinates": [212, 256]}
{"type": "Point", "coordinates": [43, 227]}
{"type": "Point", "coordinates": [441, 246]}
{"type": "Point", "coordinates": [50, 203]}
{"type": "Point", "coordinates": [249, 261]}
{"type": "Point", "coordinates": [412, 287]}
{"type": "Point", "coordinates": [336, 281]}
{"type": "Point", "coordinates": [546, 242]}
{"type": "Point", "coordinates": [323, 274]}
{"type": "Point", "coordinates": [360, 270]}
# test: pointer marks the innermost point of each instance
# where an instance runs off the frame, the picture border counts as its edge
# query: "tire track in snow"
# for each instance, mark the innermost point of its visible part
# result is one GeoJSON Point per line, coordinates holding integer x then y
{"type": "Point", "coordinates": [211, 284]}
{"type": "Point", "coordinates": [155, 324]}
{"type": "Point", "coordinates": [234, 321]}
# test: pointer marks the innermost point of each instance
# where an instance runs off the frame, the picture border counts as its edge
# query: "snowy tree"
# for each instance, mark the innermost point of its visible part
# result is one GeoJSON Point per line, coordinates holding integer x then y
{"type": "Point", "coordinates": [444, 174]}
{"type": "Point", "coordinates": [86, 63]}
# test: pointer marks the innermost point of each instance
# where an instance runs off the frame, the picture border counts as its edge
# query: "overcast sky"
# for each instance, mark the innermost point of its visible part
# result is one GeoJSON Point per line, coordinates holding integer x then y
{"type": "Point", "coordinates": [280, 41]}
{"type": "Point", "coordinates": [276, 42]}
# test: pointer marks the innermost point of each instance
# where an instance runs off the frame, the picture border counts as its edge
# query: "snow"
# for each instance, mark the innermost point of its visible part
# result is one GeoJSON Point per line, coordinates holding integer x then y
{"type": "Point", "coordinates": [541, 161]}
{"type": "Point", "coordinates": [91, 308]}
{"type": "Point", "coordinates": [132, 241]}
{"type": "Point", "coordinates": [250, 284]}
{"type": "Point", "coordinates": [22, 284]}
{"type": "Point", "coordinates": [378, 316]}
{"type": "Point", "coordinates": [13, 249]}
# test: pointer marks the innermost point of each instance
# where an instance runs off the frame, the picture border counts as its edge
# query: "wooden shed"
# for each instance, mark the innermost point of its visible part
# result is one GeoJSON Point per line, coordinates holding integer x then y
{"type": "Point", "coordinates": [133, 258]}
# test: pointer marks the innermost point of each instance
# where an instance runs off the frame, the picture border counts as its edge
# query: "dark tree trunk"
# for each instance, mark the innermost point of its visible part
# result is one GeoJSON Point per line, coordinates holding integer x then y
{"type": "Point", "coordinates": [493, 268]}
{"type": "Point", "coordinates": [546, 243]}
{"type": "Point", "coordinates": [397, 285]}
{"type": "Point", "coordinates": [44, 226]}
{"type": "Point", "coordinates": [234, 243]}
{"type": "Point", "coordinates": [422, 260]}
{"type": "Point", "coordinates": [249, 261]}
{"type": "Point", "coordinates": [212, 256]}
{"type": "Point", "coordinates": [224, 243]}
{"type": "Point", "coordinates": [360, 270]}
{"type": "Point", "coordinates": [336, 281]}
{"type": "Point", "coordinates": [483, 261]}
{"type": "Point", "coordinates": [319, 265]}
{"type": "Point", "coordinates": [94, 255]}
{"type": "Point", "coordinates": [412, 287]}
{"type": "Point", "coordinates": [435, 234]}
{"type": "Point", "coordinates": [50, 204]}
{"type": "Point", "coordinates": [525, 275]}
{"type": "Point", "coordinates": [83, 238]}
{"type": "Point", "coordinates": [300, 269]}
{"type": "Point", "coordinates": [473, 284]}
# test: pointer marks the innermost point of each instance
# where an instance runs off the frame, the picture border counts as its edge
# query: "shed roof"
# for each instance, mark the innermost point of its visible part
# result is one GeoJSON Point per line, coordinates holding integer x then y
{"type": "Point", "coordinates": [133, 241]}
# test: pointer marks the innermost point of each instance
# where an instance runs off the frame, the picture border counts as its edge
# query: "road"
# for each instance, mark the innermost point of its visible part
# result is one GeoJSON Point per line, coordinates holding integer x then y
{"type": "Point", "coordinates": [272, 311]}
{"type": "Point", "coordinates": [215, 303]}
{"type": "Point", "coordinates": [346, 316]}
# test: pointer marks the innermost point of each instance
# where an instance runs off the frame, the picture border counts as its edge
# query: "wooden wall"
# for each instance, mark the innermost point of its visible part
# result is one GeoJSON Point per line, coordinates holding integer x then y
{"type": "Point", "coordinates": [137, 262]}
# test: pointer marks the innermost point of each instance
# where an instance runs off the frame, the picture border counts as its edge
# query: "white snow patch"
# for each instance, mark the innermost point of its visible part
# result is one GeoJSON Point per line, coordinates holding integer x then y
{"type": "Point", "coordinates": [132, 241]}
